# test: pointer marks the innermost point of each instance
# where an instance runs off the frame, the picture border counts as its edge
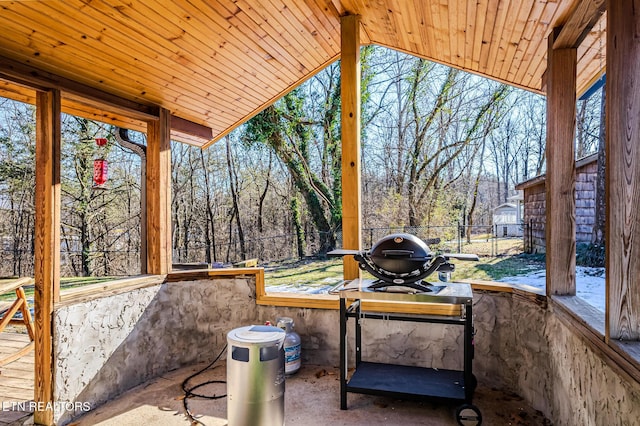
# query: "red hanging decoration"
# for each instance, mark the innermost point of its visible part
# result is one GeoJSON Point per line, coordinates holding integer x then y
{"type": "Point", "coordinates": [100, 169]}
{"type": "Point", "coordinates": [100, 165]}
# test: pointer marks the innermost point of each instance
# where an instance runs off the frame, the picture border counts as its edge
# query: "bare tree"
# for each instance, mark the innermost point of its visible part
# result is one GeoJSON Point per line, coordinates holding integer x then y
{"type": "Point", "coordinates": [235, 190]}
{"type": "Point", "coordinates": [17, 177]}
{"type": "Point", "coordinates": [599, 226]}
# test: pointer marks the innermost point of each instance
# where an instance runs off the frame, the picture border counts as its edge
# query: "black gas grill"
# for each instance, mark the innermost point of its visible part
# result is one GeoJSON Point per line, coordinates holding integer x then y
{"type": "Point", "coordinates": [402, 260]}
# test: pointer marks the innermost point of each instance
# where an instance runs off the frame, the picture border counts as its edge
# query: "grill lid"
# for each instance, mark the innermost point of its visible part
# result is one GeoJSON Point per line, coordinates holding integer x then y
{"type": "Point", "coordinates": [400, 253]}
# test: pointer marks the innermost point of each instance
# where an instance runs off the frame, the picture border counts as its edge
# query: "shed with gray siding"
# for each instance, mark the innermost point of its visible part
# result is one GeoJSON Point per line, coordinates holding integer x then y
{"type": "Point", "coordinates": [506, 219]}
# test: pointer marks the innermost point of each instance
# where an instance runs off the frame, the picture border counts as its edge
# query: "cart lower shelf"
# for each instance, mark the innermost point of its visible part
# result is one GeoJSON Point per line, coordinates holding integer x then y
{"type": "Point", "coordinates": [407, 382]}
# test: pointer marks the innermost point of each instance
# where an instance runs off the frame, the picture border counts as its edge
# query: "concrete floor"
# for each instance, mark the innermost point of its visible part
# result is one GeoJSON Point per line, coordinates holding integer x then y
{"type": "Point", "coordinates": [311, 398]}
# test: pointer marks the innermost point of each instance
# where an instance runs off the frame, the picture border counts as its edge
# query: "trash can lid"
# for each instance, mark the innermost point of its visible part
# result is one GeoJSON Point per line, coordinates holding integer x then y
{"type": "Point", "coordinates": [257, 334]}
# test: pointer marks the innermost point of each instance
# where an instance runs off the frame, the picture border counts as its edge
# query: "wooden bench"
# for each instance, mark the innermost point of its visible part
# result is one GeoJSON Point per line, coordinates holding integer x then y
{"type": "Point", "coordinates": [10, 308]}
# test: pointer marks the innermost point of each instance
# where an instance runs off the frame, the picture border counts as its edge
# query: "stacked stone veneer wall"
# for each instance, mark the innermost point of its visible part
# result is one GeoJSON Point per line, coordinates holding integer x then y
{"type": "Point", "coordinates": [526, 348]}
{"type": "Point", "coordinates": [106, 346]}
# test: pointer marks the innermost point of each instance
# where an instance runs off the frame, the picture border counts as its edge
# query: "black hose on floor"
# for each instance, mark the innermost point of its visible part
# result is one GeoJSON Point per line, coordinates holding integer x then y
{"type": "Point", "coordinates": [188, 391]}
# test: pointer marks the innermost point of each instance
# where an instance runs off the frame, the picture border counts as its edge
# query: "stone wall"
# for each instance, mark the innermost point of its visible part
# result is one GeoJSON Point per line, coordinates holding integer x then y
{"type": "Point", "coordinates": [524, 347]}
{"type": "Point", "coordinates": [585, 390]}
{"type": "Point", "coordinates": [510, 346]}
{"type": "Point", "coordinates": [108, 345]}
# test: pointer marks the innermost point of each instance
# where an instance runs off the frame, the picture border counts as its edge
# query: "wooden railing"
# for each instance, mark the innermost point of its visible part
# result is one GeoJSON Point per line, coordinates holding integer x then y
{"type": "Point", "coordinates": [9, 308]}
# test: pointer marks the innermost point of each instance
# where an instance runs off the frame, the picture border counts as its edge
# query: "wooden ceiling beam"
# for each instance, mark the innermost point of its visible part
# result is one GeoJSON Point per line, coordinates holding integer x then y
{"type": "Point", "coordinates": [579, 23]}
{"type": "Point", "coordinates": [182, 125]}
{"type": "Point", "coordinates": [80, 96]}
{"type": "Point", "coordinates": [42, 80]}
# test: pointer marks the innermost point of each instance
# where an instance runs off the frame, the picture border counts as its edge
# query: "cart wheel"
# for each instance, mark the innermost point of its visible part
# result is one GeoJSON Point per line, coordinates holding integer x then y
{"type": "Point", "coordinates": [468, 414]}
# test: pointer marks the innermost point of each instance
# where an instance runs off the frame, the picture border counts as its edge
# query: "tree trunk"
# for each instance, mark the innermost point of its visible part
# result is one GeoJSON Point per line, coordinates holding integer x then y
{"type": "Point", "coordinates": [233, 184]}
{"type": "Point", "coordinates": [599, 226]}
{"type": "Point", "coordinates": [263, 195]}
{"type": "Point", "coordinates": [297, 223]}
{"type": "Point", "coordinates": [210, 254]}
{"type": "Point", "coordinates": [474, 199]}
{"type": "Point", "coordinates": [122, 137]}
{"type": "Point", "coordinates": [309, 186]}
{"type": "Point", "coordinates": [86, 246]}
{"type": "Point", "coordinates": [580, 130]}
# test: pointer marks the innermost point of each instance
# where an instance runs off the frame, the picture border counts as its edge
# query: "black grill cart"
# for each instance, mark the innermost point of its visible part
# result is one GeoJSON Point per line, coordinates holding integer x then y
{"type": "Point", "coordinates": [408, 382]}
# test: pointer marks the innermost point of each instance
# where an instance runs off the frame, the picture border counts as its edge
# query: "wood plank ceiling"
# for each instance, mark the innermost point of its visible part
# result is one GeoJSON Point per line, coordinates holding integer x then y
{"type": "Point", "coordinates": [216, 63]}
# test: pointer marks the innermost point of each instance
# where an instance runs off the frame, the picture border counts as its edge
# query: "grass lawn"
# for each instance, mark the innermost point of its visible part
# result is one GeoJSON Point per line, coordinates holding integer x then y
{"type": "Point", "coordinates": [310, 273]}
{"type": "Point", "coordinates": [317, 273]}
{"type": "Point", "coordinates": [65, 283]}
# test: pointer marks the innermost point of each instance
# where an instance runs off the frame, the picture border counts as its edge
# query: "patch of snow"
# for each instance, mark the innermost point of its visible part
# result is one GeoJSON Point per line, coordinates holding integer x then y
{"type": "Point", "coordinates": [301, 288]}
{"type": "Point", "coordinates": [589, 284]}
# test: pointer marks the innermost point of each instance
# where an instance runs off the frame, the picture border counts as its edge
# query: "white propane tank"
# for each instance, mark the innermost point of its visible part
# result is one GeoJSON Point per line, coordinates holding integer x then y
{"type": "Point", "coordinates": [292, 348]}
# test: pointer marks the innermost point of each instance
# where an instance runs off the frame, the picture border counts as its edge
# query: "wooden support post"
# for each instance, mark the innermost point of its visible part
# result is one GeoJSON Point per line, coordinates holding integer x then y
{"type": "Point", "coordinates": [622, 234]}
{"type": "Point", "coordinates": [158, 190]}
{"type": "Point", "coordinates": [47, 244]}
{"type": "Point", "coordinates": [560, 181]}
{"type": "Point", "coordinates": [350, 119]}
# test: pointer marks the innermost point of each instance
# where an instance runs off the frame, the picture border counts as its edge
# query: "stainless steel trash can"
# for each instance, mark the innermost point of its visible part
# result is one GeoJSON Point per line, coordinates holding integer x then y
{"type": "Point", "coordinates": [255, 376]}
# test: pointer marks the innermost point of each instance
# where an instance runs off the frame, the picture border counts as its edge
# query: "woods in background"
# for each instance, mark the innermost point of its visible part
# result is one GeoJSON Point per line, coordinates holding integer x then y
{"type": "Point", "coordinates": [439, 146]}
